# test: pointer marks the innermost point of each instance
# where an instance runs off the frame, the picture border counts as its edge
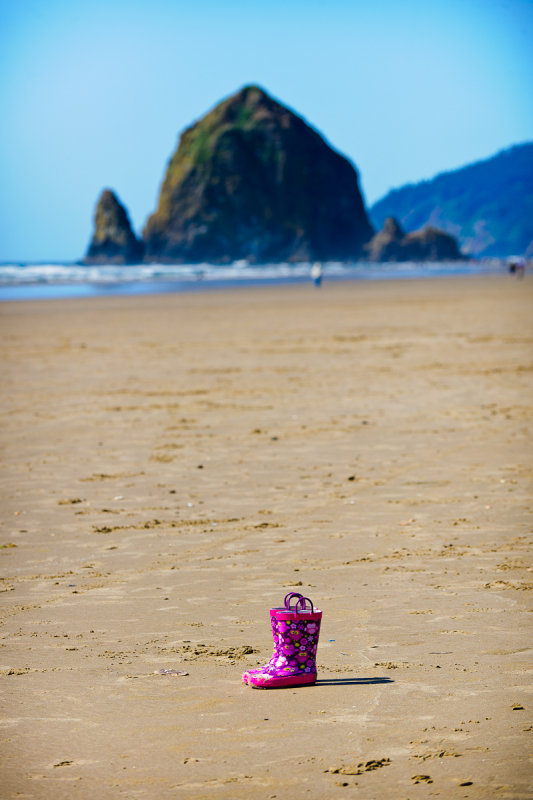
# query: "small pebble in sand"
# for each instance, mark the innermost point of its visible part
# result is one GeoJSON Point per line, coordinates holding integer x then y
{"type": "Point", "coordinates": [173, 673]}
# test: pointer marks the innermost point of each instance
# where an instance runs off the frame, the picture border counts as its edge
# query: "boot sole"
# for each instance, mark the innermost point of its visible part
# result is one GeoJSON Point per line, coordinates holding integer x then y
{"type": "Point", "coordinates": [282, 683]}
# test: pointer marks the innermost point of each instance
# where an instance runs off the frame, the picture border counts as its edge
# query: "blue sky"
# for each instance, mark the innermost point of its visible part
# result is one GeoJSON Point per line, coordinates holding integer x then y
{"type": "Point", "coordinates": [94, 94]}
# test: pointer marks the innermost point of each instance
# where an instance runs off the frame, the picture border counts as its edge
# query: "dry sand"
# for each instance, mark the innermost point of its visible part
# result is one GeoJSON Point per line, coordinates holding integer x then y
{"type": "Point", "coordinates": [173, 465]}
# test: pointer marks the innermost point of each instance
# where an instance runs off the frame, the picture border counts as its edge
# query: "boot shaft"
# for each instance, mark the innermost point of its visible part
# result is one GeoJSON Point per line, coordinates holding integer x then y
{"type": "Point", "coordinates": [296, 637]}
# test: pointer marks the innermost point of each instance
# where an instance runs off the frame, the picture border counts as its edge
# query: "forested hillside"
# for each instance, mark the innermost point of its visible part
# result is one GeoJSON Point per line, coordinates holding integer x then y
{"type": "Point", "coordinates": [488, 205]}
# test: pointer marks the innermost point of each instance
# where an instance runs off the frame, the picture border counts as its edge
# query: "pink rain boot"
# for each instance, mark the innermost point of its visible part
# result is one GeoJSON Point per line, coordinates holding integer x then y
{"type": "Point", "coordinates": [293, 662]}
{"type": "Point", "coordinates": [275, 655]}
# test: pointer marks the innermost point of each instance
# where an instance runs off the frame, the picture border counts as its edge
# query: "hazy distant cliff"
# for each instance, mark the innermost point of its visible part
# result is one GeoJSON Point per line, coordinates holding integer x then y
{"type": "Point", "coordinates": [487, 206]}
{"type": "Point", "coordinates": [251, 180]}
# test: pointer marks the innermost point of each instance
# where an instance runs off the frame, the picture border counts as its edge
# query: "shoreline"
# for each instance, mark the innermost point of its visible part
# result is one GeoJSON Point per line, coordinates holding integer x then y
{"type": "Point", "coordinates": [111, 281]}
{"type": "Point", "coordinates": [174, 464]}
{"type": "Point", "coordinates": [259, 294]}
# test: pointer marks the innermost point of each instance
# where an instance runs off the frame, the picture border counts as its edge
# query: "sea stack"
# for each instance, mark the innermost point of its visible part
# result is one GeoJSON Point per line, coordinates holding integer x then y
{"type": "Point", "coordinates": [113, 240]}
{"type": "Point", "coordinates": [252, 180]}
{"type": "Point", "coordinates": [391, 243]}
{"type": "Point", "coordinates": [385, 245]}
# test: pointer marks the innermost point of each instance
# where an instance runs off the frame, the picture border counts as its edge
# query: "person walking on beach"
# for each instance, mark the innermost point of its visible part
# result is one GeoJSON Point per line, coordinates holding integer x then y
{"type": "Point", "coordinates": [517, 266]}
{"type": "Point", "coordinates": [316, 273]}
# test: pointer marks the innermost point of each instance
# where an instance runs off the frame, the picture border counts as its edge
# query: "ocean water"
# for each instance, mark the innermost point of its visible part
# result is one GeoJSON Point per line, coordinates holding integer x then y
{"type": "Point", "coordinates": [52, 281]}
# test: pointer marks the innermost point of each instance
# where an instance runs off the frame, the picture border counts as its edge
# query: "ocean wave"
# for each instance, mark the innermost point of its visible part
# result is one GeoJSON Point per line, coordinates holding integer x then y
{"type": "Point", "coordinates": [20, 281]}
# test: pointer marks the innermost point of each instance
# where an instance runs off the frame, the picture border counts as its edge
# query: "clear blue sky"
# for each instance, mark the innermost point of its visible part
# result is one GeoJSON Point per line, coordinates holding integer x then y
{"type": "Point", "coordinates": [94, 93]}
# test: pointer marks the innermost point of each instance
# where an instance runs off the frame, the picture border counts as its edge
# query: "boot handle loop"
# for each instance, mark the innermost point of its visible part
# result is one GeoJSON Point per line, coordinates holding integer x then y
{"type": "Point", "coordinates": [288, 598]}
{"type": "Point", "coordinates": [303, 600]}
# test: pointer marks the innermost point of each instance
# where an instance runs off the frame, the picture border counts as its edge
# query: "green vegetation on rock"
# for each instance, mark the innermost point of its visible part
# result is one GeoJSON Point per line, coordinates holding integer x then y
{"type": "Point", "coordinates": [251, 180]}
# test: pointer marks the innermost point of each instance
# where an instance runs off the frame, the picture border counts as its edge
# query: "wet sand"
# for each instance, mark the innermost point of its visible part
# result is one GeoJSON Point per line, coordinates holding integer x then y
{"type": "Point", "coordinates": [173, 465]}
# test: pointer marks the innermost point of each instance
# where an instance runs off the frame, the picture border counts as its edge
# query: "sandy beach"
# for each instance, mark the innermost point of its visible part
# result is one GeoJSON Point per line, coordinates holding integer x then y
{"type": "Point", "coordinates": [173, 465]}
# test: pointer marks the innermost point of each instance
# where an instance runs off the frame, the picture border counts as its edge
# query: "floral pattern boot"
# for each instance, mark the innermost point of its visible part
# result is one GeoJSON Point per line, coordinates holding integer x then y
{"type": "Point", "coordinates": [293, 662]}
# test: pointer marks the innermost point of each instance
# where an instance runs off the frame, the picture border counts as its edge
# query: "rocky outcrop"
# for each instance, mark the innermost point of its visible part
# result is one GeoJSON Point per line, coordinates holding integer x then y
{"type": "Point", "coordinates": [430, 244]}
{"type": "Point", "coordinates": [251, 180]}
{"type": "Point", "coordinates": [113, 240]}
{"type": "Point", "coordinates": [385, 245]}
{"type": "Point", "coordinates": [427, 244]}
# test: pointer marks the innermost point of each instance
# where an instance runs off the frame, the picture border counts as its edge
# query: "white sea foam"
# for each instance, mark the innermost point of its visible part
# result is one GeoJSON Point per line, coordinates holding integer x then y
{"type": "Point", "coordinates": [18, 281]}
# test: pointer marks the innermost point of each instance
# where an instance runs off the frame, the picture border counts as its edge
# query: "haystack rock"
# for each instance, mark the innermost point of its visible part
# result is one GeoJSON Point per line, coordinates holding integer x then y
{"type": "Point", "coordinates": [391, 243]}
{"type": "Point", "coordinates": [113, 240]}
{"type": "Point", "coordinates": [251, 180]}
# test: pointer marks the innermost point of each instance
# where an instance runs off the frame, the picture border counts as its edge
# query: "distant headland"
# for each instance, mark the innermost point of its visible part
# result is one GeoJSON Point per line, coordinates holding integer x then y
{"type": "Point", "coordinates": [252, 181]}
